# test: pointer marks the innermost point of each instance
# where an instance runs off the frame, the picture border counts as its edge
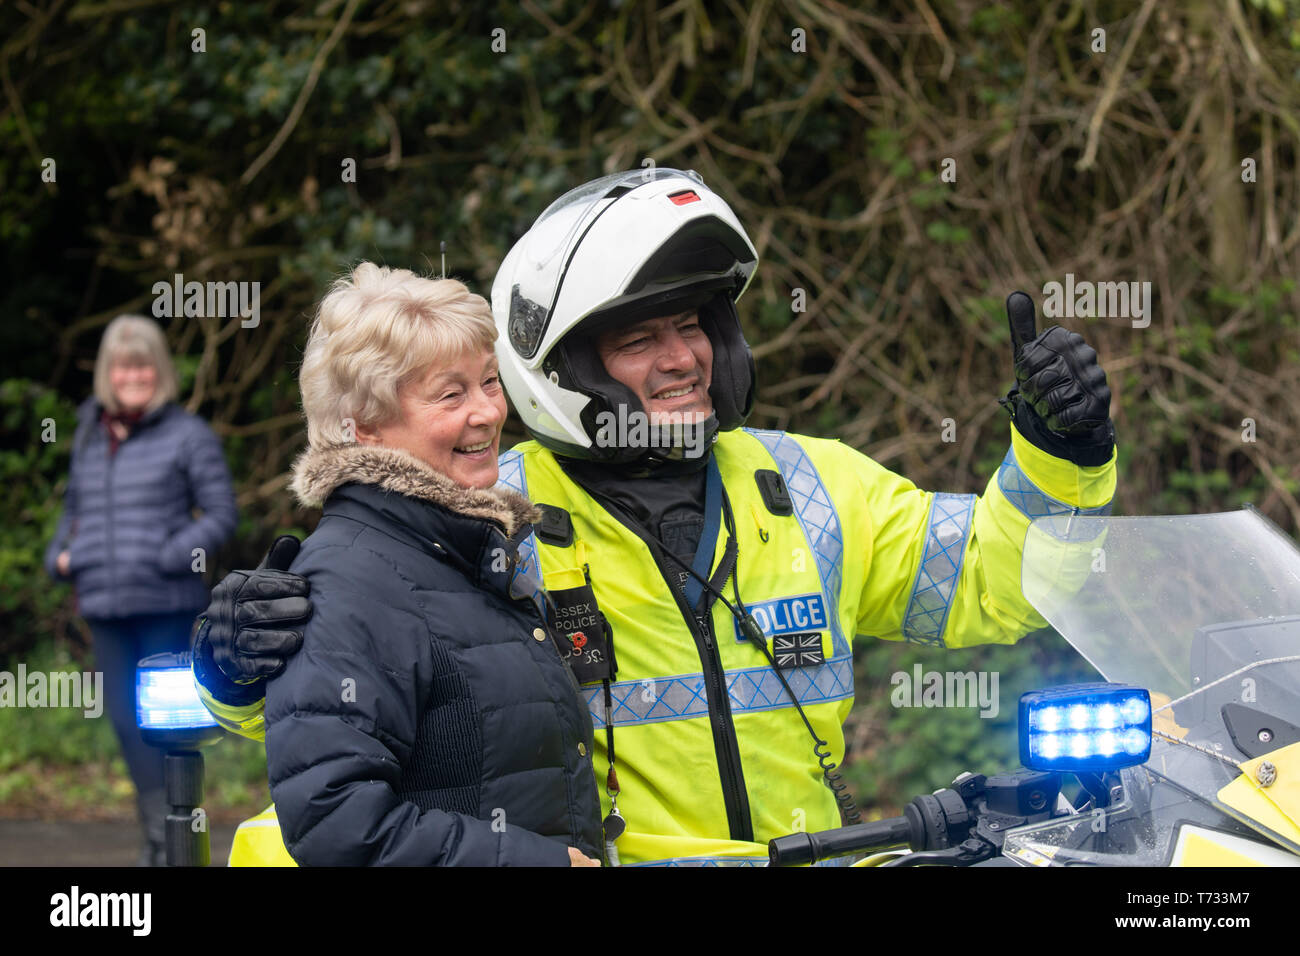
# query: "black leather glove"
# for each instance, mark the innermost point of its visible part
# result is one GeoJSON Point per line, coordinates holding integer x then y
{"type": "Point", "coordinates": [253, 625]}
{"type": "Point", "coordinates": [1061, 401]}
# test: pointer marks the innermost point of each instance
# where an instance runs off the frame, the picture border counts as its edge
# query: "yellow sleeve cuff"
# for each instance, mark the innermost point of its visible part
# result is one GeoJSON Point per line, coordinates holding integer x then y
{"type": "Point", "coordinates": [1072, 484]}
{"type": "Point", "coordinates": [247, 720]}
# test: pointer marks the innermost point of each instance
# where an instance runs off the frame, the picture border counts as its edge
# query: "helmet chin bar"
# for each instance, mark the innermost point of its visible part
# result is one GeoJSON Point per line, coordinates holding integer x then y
{"type": "Point", "coordinates": [731, 390]}
{"type": "Point", "coordinates": [646, 442]}
{"type": "Point", "coordinates": [732, 384]}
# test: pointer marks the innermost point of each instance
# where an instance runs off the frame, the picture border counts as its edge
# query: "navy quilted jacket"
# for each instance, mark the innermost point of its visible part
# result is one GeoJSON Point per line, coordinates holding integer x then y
{"type": "Point", "coordinates": [429, 718]}
{"type": "Point", "coordinates": [129, 522]}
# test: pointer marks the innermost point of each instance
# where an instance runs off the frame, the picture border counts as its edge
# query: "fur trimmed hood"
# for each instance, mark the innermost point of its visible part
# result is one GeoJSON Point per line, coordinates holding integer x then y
{"type": "Point", "coordinates": [317, 472]}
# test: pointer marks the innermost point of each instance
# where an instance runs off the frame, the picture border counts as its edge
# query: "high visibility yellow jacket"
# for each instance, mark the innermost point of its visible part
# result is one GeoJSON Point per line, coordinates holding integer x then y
{"type": "Point", "coordinates": [713, 760]}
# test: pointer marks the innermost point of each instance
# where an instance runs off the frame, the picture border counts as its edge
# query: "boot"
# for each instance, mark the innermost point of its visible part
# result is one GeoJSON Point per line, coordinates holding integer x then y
{"type": "Point", "coordinates": [152, 808]}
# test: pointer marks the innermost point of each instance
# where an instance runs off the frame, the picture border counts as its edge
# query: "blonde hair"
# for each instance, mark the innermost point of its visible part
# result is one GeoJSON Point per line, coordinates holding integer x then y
{"type": "Point", "coordinates": [374, 331]}
{"type": "Point", "coordinates": [133, 339]}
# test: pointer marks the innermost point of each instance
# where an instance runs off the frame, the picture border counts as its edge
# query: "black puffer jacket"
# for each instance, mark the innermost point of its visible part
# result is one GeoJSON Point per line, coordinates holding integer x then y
{"type": "Point", "coordinates": [428, 718]}
{"type": "Point", "coordinates": [128, 522]}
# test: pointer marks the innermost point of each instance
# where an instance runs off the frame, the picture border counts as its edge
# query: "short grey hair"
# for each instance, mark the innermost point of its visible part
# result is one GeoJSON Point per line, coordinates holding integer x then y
{"type": "Point", "coordinates": [376, 330]}
{"type": "Point", "coordinates": [135, 340]}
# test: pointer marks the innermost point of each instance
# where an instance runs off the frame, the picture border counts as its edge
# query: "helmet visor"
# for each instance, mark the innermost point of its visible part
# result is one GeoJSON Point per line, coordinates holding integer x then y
{"type": "Point", "coordinates": [558, 229]}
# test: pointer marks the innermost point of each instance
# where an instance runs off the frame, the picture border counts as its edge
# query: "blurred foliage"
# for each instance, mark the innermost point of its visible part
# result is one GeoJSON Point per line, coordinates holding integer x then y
{"type": "Point", "coordinates": [1123, 165]}
{"type": "Point", "coordinates": [33, 472]}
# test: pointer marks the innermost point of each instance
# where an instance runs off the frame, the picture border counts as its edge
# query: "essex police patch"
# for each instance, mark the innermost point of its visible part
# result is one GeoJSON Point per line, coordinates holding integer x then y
{"type": "Point", "coordinates": [586, 645]}
{"type": "Point", "coordinates": [797, 650]}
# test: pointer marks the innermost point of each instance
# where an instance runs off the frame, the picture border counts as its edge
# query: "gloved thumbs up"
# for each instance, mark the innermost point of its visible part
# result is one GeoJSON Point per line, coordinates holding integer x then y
{"type": "Point", "coordinates": [1020, 315]}
{"type": "Point", "coordinates": [1061, 401]}
{"type": "Point", "coordinates": [283, 550]}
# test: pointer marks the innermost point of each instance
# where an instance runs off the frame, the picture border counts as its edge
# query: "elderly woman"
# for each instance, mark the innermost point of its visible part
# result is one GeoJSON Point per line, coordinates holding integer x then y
{"type": "Point", "coordinates": [129, 539]}
{"type": "Point", "coordinates": [429, 719]}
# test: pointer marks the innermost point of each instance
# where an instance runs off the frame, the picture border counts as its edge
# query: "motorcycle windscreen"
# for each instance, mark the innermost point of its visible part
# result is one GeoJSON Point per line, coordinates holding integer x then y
{"type": "Point", "coordinates": [1155, 824]}
{"type": "Point", "coordinates": [1203, 611]}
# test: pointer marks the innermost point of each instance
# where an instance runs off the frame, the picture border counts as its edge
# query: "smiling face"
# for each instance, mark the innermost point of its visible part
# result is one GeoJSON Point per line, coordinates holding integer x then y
{"type": "Point", "coordinates": [451, 420]}
{"type": "Point", "coordinates": [666, 362]}
{"type": "Point", "coordinates": [133, 383]}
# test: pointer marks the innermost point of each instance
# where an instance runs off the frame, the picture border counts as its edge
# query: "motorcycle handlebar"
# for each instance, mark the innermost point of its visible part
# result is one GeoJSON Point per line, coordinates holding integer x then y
{"type": "Point", "coordinates": [803, 848]}
{"type": "Point", "coordinates": [930, 822]}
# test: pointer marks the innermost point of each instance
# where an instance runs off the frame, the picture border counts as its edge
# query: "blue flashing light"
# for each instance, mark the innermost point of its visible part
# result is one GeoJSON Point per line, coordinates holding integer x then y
{"type": "Point", "coordinates": [1135, 709]}
{"type": "Point", "coordinates": [1048, 719]}
{"type": "Point", "coordinates": [1085, 728]}
{"type": "Point", "coordinates": [1080, 717]}
{"type": "Point", "coordinates": [1138, 742]}
{"type": "Point", "coordinates": [166, 699]}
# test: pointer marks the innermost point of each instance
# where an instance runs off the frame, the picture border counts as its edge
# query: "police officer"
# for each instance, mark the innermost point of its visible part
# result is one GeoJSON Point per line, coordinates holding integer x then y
{"type": "Point", "coordinates": [708, 580]}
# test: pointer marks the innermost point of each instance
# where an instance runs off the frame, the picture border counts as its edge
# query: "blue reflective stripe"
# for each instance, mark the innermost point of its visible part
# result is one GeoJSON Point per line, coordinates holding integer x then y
{"type": "Point", "coordinates": [1029, 499]}
{"type": "Point", "coordinates": [706, 861]}
{"type": "Point", "coordinates": [681, 697]}
{"type": "Point", "coordinates": [510, 474]}
{"type": "Point", "coordinates": [940, 569]}
{"type": "Point", "coordinates": [817, 517]}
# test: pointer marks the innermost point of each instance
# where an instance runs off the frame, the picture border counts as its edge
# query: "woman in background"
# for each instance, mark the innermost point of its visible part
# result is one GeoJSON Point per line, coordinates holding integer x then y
{"type": "Point", "coordinates": [148, 503]}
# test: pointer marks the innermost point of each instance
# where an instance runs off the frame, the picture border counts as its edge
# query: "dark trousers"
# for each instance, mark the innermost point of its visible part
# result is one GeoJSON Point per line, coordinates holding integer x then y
{"type": "Point", "coordinates": [119, 643]}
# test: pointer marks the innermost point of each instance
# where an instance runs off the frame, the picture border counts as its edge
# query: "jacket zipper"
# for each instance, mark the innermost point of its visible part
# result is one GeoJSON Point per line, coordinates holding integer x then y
{"type": "Point", "coordinates": [724, 739]}
{"type": "Point", "coordinates": [108, 524]}
{"type": "Point", "coordinates": [539, 614]}
{"type": "Point", "coordinates": [725, 746]}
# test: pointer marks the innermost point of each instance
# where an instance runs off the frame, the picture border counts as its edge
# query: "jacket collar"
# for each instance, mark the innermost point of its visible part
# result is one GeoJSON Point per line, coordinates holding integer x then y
{"type": "Point", "coordinates": [319, 471]}
{"type": "Point", "coordinates": [88, 419]}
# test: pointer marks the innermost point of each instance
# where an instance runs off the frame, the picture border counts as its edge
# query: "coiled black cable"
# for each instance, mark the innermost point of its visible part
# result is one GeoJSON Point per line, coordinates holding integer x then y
{"type": "Point", "coordinates": [848, 809]}
{"type": "Point", "coordinates": [754, 634]}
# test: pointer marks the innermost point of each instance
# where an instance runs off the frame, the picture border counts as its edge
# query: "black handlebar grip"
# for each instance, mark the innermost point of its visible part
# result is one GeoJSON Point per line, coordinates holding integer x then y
{"type": "Point", "coordinates": [800, 848]}
{"type": "Point", "coordinates": [792, 850]}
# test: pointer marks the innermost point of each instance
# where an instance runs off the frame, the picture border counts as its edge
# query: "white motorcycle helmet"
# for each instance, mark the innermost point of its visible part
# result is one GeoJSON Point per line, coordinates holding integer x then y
{"type": "Point", "coordinates": [618, 250]}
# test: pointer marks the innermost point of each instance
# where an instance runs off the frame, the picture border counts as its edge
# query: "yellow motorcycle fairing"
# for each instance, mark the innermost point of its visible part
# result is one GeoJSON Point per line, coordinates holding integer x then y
{"type": "Point", "coordinates": [1275, 808]}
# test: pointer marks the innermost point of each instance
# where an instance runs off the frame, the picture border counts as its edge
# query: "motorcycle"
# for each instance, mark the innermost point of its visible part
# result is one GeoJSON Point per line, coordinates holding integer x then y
{"type": "Point", "coordinates": [1188, 755]}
